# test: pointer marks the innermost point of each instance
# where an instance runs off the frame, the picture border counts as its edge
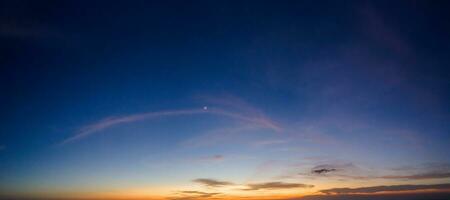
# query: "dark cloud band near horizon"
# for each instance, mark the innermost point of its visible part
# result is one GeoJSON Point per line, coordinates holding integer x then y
{"type": "Point", "coordinates": [389, 188]}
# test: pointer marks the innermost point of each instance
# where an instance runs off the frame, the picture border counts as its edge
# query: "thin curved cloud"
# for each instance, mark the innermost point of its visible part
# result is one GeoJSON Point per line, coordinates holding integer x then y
{"type": "Point", "coordinates": [389, 188]}
{"type": "Point", "coordinates": [212, 182]}
{"type": "Point", "coordinates": [276, 186]}
{"type": "Point", "coordinates": [114, 121]}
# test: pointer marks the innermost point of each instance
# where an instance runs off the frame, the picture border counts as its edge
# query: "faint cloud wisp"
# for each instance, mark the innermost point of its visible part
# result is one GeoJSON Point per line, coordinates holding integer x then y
{"type": "Point", "coordinates": [212, 182]}
{"type": "Point", "coordinates": [113, 121]}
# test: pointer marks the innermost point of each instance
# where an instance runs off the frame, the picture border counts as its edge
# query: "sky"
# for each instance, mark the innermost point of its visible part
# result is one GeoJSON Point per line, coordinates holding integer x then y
{"type": "Point", "coordinates": [223, 99]}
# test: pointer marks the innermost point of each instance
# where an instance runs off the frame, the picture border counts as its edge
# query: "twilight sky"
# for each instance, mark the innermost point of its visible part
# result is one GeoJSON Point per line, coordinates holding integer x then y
{"type": "Point", "coordinates": [223, 99]}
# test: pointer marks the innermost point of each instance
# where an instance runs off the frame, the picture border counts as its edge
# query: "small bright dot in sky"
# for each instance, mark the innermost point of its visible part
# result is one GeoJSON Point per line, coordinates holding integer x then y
{"type": "Point", "coordinates": [205, 107]}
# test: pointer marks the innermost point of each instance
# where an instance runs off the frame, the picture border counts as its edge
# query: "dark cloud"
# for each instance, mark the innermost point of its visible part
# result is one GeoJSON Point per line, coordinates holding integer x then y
{"type": "Point", "coordinates": [390, 188]}
{"type": "Point", "coordinates": [323, 169]}
{"type": "Point", "coordinates": [424, 176]}
{"type": "Point", "coordinates": [334, 170]}
{"type": "Point", "coordinates": [403, 196]}
{"type": "Point", "coordinates": [212, 182]}
{"type": "Point", "coordinates": [276, 185]}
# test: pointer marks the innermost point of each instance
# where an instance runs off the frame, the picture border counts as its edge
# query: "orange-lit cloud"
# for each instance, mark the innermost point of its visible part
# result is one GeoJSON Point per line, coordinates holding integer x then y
{"type": "Point", "coordinates": [191, 194]}
{"type": "Point", "coordinates": [276, 186]}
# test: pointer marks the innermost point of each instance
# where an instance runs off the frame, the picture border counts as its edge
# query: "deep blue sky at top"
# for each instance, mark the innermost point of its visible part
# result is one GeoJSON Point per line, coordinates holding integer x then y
{"type": "Point", "coordinates": [65, 64]}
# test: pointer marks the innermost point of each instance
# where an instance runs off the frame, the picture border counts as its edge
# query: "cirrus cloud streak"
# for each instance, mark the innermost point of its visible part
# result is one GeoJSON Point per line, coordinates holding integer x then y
{"type": "Point", "coordinates": [114, 121]}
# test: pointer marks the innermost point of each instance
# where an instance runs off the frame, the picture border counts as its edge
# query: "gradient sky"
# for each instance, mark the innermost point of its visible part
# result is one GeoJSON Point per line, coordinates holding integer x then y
{"type": "Point", "coordinates": [220, 99]}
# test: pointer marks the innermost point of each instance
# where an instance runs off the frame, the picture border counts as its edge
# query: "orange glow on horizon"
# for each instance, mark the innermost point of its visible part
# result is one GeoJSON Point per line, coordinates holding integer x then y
{"type": "Point", "coordinates": [138, 196]}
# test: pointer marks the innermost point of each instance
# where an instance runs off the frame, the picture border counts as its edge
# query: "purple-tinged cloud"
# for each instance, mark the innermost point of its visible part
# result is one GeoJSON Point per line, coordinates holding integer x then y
{"type": "Point", "coordinates": [382, 33]}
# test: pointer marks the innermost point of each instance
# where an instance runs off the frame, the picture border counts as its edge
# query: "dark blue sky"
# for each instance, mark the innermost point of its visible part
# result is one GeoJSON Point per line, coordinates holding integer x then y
{"type": "Point", "coordinates": [360, 82]}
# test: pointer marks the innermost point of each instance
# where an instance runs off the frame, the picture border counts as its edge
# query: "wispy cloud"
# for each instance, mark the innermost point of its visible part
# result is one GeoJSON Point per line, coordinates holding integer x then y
{"type": "Point", "coordinates": [194, 195]}
{"type": "Point", "coordinates": [382, 33]}
{"type": "Point", "coordinates": [196, 192]}
{"type": "Point", "coordinates": [429, 166]}
{"type": "Point", "coordinates": [212, 182]}
{"type": "Point", "coordinates": [213, 158]}
{"type": "Point", "coordinates": [276, 186]}
{"type": "Point", "coordinates": [222, 135]}
{"type": "Point", "coordinates": [208, 159]}
{"type": "Point", "coordinates": [430, 175]}
{"type": "Point", "coordinates": [113, 121]}
{"type": "Point", "coordinates": [270, 142]}
{"type": "Point", "coordinates": [237, 107]}
{"type": "Point", "coordinates": [390, 188]}
{"type": "Point", "coordinates": [260, 121]}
